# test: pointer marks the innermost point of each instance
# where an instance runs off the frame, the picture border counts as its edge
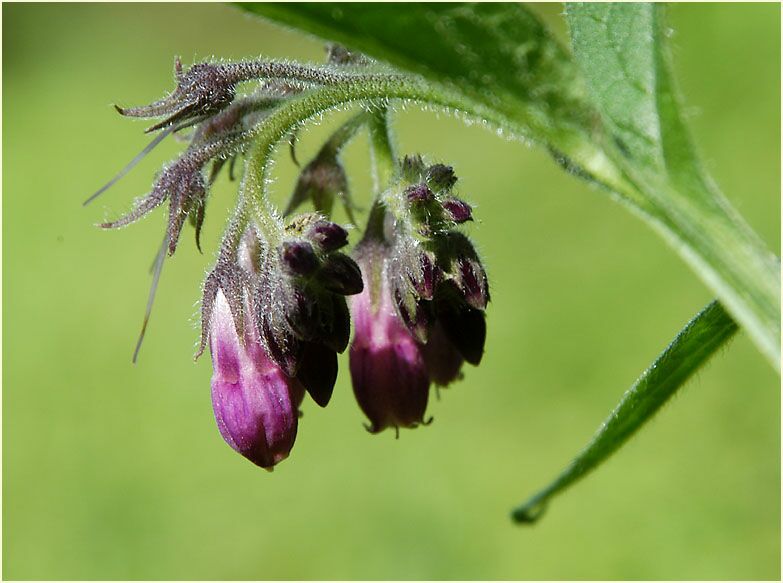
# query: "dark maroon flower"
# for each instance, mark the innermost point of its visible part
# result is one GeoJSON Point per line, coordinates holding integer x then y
{"type": "Point", "coordinates": [388, 371]}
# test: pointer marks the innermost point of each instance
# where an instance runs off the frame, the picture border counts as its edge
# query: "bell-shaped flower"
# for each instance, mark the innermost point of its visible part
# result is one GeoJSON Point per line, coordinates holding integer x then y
{"type": "Point", "coordinates": [256, 404]}
{"type": "Point", "coordinates": [388, 370]}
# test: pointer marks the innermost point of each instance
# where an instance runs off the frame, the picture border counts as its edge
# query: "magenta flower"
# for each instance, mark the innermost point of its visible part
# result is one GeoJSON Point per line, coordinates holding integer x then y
{"type": "Point", "coordinates": [256, 404]}
{"type": "Point", "coordinates": [390, 379]}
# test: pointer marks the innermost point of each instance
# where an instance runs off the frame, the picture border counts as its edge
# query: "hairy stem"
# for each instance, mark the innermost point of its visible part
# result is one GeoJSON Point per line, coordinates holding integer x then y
{"type": "Point", "coordinates": [383, 155]}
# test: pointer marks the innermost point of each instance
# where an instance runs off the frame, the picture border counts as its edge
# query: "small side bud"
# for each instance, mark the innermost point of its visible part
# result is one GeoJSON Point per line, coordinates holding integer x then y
{"type": "Point", "coordinates": [339, 55]}
{"type": "Point", "coordinates": [419, 193]}
{"type": "Point", "coordinates": [318, 372]}
{"type": "Point", "coordinates": [472, 280]}
{"type": "Point", "coordinates": [327, 235]}
{"type": "Point", "coordinates": [463, 325]}
{"type": "Point", "coordinates": [427, 278]}
{"type": "Point", "coordinates": [299, 257]}
{"type": "Point", "coordinates": [341, 275]}
{"type": "Point", "coordinates": [457, 210]}
{"type": "Point", "coordinates": [412, 312]}
{"type": "Point", "coordinates": [444, 361]}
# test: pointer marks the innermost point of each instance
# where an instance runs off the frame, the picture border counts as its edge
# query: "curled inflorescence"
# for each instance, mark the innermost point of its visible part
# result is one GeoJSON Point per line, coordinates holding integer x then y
{"type": "Point", "coordinates": [278, 304]}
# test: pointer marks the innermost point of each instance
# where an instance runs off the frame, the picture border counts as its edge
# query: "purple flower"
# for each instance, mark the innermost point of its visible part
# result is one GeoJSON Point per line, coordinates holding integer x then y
{"type": "Point", "coordinates": [388, 371]}
{"type": "Point", "coordinates": [256, 404]}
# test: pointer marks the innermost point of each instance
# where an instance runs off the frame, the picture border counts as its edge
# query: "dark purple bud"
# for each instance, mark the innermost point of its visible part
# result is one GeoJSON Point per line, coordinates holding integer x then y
{"type": "Point", "coordinates": [337, 335]}
{"type": "Point", "coordinates": [413, 313]}
{"type": "Point", "coordinates": [441, 177]}
{"type": "Point", "coordinates": [319, 316]}
{"type": "Point", "coordinates": [427, 277]}
{"type": "Point", "coordinates": [473, 282]}
{"type": "Point", "coordinates": [341, 275]}
{"type": "Point", "coordinates": [457, 210]}
{"type": "Point", "coordinates": [318, 372]}
{"type": "Point", "coordinates": [444, 361]}
{"type": "Point", "coordinates": [328, 235]}
{"type": "Point", "coordinates": [464, 325]}
{"type": "Point", "coordinates": [389, 376]}
{"type": "Point", "coordinates": [299, 257]}
{"type": "Point", "coordinates": [419, 193]}
{"type": "Point", "coordinates": [256, 405]}
{"type": "Point", "coordinates": [301, 312]}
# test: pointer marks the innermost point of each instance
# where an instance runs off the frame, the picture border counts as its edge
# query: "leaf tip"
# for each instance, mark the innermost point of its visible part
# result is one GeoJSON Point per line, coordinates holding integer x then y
{"type": "Point", "coordinates": [529, 512]}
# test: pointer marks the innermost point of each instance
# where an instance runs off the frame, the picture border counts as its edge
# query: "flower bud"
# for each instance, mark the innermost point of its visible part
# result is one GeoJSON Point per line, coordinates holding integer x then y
{"type": "Point", "coordinates": [299, 303]}
{"type": "Point", "coordinates": [341, 275]}
{"type": "Point", "coordinates": [318, 372]}
{"type": "Point", "coordinates": [256, 404]}
{"type": "Point", "coordinates": [299, 257]}
{"type": "Point", "coordinates": [412, 312]}
{"type": "Point", "coordinates": [444, 361]}
{"type": "Point", "coordinates": [389, 375]}
{"type": "Point", "coordinates": [327, 235]}
{"type": "Point", "coordinates": [419, 193]}
{"type": "Point", "coordinates": [473, 282]}
{"type": "Point", "coordinates": [457, 210]}
{"type": "Point", "coordinates": [463, 325]}
{"type": "Point", "coordinates": [425, 280]}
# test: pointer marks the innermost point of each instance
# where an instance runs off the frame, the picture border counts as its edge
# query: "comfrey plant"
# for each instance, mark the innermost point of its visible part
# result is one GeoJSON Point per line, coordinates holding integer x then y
{"type": "Point", "coordinates": [274, 307]}
{"type": "Point", "coordinates": [278, 304]}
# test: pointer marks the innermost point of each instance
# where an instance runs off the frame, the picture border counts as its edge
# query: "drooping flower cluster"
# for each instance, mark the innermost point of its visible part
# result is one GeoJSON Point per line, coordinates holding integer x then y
{"type": "Point", "coordinates": [421, 314]}
{"type": "Point", "coordinates": [275, 307]}
{"type": "Point", "coordinates": [281, 312]}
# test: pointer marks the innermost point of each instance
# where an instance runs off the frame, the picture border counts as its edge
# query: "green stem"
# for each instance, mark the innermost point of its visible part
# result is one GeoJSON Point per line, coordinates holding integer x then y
{"type": "Point", "coordinates": [383, 156]}
{"type": "Point", "coordinates": [383, 167]}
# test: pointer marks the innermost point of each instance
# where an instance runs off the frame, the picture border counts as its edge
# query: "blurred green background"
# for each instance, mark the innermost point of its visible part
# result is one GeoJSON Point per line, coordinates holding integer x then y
{"type": "Point", "coordinates": [115, 471]}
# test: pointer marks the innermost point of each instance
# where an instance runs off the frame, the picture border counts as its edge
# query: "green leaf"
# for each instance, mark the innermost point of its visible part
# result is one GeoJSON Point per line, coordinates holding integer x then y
{"type": "Point", "coordinates": [701, 338]}
{"type": "Point", "coordinates": [622, 51]}
{"type": "Point", "coordinates": [612, 119]}
{"type": "Point", "coordinates": [497, 55]}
